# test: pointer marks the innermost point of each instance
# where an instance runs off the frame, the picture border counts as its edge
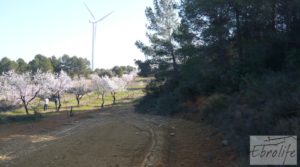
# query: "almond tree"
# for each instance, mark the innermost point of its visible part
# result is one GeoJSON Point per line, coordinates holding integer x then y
{"type": "Point", "coordinates": [3, 88]}
{"type": "Point", "coordinates": [101, 86]}
{"type": "Point", "coordinates": [129, 79]}
{"type": "Point", "coordinates": [60, 83]}
{"type": "Point", "coordinates": [116, 84]}
{"type": "Point", "coordinates": [24, 87]}
{"type": "Point", "coordinates": [80, 87]}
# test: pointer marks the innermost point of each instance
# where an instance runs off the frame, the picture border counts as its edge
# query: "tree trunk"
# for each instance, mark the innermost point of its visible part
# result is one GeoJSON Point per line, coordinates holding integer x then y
{"type": "Point", "coordinates": [102, 97]}
{"type": "Point", "coordinates": [174, 62]}
{"type": "Point", "coordinates": [59, 103]}
{"type": "Point", "coordinates": [56, 106]}
{"type": "Point", "coordinates": [113, 94]}
{"type": "Point", "coordinates": [71, 114]}
{"type": "Point", "coordinates": [78, 100]}
{"type": "Point", "coordinates": [26, 109]}
{"type": "Point", "coordinates": [25, 106]}
{"type": "Point", "coordinates": [238, 29]}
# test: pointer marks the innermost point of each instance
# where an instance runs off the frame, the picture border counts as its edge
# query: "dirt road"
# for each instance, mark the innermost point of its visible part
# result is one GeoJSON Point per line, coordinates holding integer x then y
{"type": "Point", "coordinates": [112, 137]}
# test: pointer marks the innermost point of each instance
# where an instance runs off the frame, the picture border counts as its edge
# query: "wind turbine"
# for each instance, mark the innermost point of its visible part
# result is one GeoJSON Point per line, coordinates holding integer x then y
{"type": "Point", "coordinates": [94, 26]}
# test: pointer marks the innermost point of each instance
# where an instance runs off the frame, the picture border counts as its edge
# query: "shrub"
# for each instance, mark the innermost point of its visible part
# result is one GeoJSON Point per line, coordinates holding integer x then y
{"type": "Point", "coordinates": [7, 106]}
{"type": "Point", "coordinates": [216, 107]}
{"type": "Point", "coordinates": [269, 105]}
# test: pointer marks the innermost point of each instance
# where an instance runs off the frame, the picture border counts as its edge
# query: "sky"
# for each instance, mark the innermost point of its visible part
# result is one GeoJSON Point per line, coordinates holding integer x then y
{"type": "Point", "coordinates": [57, 27]}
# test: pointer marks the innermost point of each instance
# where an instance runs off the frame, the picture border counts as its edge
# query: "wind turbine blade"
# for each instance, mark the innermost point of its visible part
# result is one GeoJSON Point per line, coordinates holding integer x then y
{"type": "Point", "coordinates": [89, 10]}
{"type": "Point", "coordinates": [104, 17]}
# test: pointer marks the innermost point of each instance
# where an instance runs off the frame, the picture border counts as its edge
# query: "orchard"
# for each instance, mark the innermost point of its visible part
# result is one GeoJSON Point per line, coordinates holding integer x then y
{"type": "Point", "coordinates": [23, 89]}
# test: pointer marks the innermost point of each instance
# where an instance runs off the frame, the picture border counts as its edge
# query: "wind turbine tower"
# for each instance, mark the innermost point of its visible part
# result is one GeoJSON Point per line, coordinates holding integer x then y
{"type": "Point", "coordinates": [94, 27]}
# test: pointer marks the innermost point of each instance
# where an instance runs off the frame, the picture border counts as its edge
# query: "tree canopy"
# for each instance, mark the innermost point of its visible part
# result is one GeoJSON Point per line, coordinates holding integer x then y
{"type": "Point", "coordinates": [73, 66]}
{"type": "Point", "coordinates": [42, 63]}
{"type": "Point", "coordinates": [6, 65]}
{"type": "Point", "coordinates": [163, 22]}
{"type": "Point", "coordinates": [242, 55]}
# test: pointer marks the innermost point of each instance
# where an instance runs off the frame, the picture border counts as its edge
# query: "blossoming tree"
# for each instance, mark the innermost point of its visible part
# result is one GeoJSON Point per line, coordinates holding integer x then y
{"type": "Point", "coordinates": [24, 87]}
{"type": "Point", "coordinates": [101, 87]}
{"type": "Point", "coordinates": [60, 83]}
{"type": "Point", "coordinates": [80, 87]}
{"type": "Point", "coordinates": [116, 85]}
{"type": "Point", "coordinates": [129, 79]}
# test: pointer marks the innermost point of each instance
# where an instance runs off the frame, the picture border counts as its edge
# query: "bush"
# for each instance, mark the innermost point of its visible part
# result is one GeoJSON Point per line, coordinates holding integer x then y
{"type": "Point", "coordinates": [269, 105]}
{"type": "Point", "coordinates": [160, 103]}
{"type": "Point", "coordinates": [154, 87]}
{"type": "Point", "coordinates": [169, 103]}
{"type": "Point", "coordinates": [216, 107]}
{"type": "Point", "coordinates": [146, 105]}
{"type": "Point", "coordinates": [7, 106]}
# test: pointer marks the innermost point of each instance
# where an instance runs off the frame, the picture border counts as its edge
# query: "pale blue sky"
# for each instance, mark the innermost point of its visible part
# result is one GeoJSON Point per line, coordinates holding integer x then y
{"type": "Point", "coordinates": [57, 27]}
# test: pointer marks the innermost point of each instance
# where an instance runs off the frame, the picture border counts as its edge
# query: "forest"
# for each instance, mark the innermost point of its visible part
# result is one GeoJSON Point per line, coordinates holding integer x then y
{"type": "Point", "coordinates": [240, 58]}
{"type": "Point", "coordinates": [73, 66]}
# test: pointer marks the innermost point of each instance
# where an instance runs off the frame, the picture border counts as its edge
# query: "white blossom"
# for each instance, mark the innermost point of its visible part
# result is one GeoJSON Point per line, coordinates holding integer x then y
{"type": "Point", "coordinates": [80, 87]}
{"type": "Point", "coordinates": [24, 88]}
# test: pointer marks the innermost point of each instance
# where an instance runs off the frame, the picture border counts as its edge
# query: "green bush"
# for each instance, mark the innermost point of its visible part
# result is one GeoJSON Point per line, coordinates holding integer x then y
{"type": "Point", "coordinates": [268, 105]}
{"type": "Point", "coordinates": [162, 100]}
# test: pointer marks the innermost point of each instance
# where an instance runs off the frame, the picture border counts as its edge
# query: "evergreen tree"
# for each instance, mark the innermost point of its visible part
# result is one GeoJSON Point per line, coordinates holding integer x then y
{"type": "Point", "coordinates": [163, 21]}
{"type": "Point", "coordinates": [7, 65]}
{"type": "Point", "coordinates": [75, 66]}
{"type": "Point", "coordinates": [42, 63]}
{"type": "Point", "coordinates": [22, 66]}
{"type": "Point", "coordinates": [56, 63]}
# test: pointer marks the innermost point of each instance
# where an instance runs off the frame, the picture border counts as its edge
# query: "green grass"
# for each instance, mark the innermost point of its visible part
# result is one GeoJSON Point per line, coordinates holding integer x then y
{"type": "Point", "coordinates": [88, 102]}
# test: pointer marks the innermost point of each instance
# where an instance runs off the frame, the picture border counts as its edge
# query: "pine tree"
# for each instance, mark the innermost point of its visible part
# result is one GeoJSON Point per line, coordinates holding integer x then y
{"type": "Point", "coordinates": [163, 22]}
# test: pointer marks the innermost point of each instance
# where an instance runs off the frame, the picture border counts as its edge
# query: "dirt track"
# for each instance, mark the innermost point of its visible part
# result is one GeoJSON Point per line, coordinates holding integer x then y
{"type": "Point", "coordinates": [113, 137]}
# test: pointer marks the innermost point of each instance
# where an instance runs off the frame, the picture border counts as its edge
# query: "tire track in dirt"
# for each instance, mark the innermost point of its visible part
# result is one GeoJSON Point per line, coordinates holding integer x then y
{"type": "Point", "coordinates": [144, 126]}
{"type": "Point", "coordinates": [156, 155]}
{"type": "Point", "coordinates": [148, 160]}
{"type": "Point", "coordinates": [118, 137]}
{"type": "Point", "coordinates": [98, 120]}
